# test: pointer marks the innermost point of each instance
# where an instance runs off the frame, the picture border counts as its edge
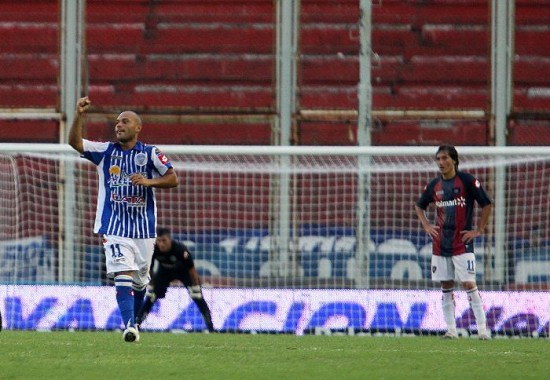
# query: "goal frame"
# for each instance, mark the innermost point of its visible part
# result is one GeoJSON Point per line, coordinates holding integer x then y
{"type": "Point", "coordinates": [365, 153]}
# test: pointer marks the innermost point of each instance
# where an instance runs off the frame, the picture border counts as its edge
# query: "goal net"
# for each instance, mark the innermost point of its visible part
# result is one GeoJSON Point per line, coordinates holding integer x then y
{"type": "Point", "coordinates": [285, 239]}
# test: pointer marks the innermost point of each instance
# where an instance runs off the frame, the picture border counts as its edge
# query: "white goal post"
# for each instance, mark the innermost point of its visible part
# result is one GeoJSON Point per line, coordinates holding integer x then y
{"type": "Point", "coordinates": [286, 239]}
{"type": "Point", "coordinates": [272, 216]}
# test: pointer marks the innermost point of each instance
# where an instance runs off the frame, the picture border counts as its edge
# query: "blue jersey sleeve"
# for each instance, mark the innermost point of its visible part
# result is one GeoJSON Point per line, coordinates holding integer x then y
{"type": "Point", "coordinates": [427, 195]}
{"type": "Point", "coordinates": [94, 151]}
{"type": "Point", "coordinates": [473, 186]}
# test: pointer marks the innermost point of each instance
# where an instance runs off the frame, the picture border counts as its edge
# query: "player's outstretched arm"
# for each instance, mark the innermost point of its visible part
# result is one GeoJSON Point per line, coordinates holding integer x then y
{"type": "Point", "coordinates": [75, 134]}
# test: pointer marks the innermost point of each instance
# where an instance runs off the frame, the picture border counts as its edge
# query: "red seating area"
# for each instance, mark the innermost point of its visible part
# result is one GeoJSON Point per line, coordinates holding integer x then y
{"type": "Point", "coordinates": [176, 56]}
{"type": "Point", "coordinates": [29, 45]}
{"type": "Point", "coordinates": [192, 133]}
{"type": "Point", "coordinates": [182, 54]}
{"type": "Point", "coordinates": [318, 133]}
{"type": "Point", "coordinates": [529, 132]}
{"type": "Point", "coordinates": [31, 131]}
{"type": "Point", "coordinates": [432, 133]}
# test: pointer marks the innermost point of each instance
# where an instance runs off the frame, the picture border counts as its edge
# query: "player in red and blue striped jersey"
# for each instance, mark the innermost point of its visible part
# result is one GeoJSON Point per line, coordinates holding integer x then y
{"type": "Point", "coordinates": [454, 194]}
{"type": "Point", "coordinates": [126, 215]}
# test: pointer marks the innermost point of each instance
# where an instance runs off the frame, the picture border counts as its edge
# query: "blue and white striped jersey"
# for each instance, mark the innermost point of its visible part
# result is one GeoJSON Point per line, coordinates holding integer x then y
{"type": "Point", "coordinates": [124, 209]}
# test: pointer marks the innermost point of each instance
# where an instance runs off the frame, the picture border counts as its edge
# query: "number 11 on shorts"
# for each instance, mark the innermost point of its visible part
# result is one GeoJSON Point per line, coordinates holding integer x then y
{"type": "Point", "coordinates": [471, 266]}
{"type": "Point", "coordinates": [115, 251]}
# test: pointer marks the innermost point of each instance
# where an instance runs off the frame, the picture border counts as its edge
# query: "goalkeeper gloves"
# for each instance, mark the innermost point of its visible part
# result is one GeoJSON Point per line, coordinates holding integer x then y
{"type": "Point", "coordinates": [151, 294]}
{"type": "Point", "coordinates": [195, 292]}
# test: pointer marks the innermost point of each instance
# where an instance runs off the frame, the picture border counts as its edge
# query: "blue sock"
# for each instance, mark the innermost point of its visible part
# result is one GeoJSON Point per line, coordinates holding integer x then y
{"type": "Point", "coordinates": [139, 297]}
{"type": "Point", "coordinates": [125, 299]}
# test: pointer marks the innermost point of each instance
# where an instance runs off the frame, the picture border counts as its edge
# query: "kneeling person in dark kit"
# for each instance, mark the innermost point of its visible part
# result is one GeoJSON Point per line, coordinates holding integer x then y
{"type": "Point", "coordinates": [174, 263]}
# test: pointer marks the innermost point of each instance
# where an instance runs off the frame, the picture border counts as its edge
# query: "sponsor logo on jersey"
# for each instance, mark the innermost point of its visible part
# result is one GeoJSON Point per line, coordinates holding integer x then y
{"type": "Point", "coordinates": [161, 156]}
{"type": "Point", "coordinates": [119, 178]}
{"type": "Point", "coordinates": [132, 200]}
{"type": "Point", "coordinates": [457, 202]}
{"type": "Point", "coordinates": [114, 170]}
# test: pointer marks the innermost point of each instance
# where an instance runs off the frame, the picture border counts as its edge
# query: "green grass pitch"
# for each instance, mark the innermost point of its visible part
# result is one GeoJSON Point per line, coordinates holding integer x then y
{"type": "Point", "coordinates": [103, 355]}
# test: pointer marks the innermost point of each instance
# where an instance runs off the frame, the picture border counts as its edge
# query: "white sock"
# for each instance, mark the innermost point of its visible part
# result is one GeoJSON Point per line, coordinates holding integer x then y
{"type": "Point", "coordinates": [477, 307]}
{"type": "Point", "coordinates": [448, 304]}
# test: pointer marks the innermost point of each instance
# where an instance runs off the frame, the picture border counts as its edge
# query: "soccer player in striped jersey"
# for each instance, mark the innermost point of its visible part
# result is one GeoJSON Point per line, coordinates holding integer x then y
{"type": "Point", "coordinates": [126, 215]}
{"type": "Point", "coordinates": [454, 194]}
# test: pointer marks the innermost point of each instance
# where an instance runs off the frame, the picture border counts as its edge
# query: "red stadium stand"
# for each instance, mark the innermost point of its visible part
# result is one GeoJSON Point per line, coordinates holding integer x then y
{"type": "Point", "coordinates": [43, 131]}
{"type": "Point", "coordinates": [430, 133]}
{"type": "Point", "coordinates": [191, 133]}
{"type": "Point", "coordinates": [436, 96]}
{"type": "Point", "coordinates": [183, 10]}
{"type": "Point", "coordinates": [318, 133]}
{"type": "Point", "coordinates": [329, 69]}
{"type": "Point", "coordinates": [395, 132]}
{"type": "Point", "coordinates": [187, 54]}
{"type": "Point", "coordinates": [328, 11]}
{"type": "Point", "coordinates": [417, 13]}
{"type": "Point", "coordinates": [192, 68]}
{"type": "Point", "coordinates": [17, 94]}
{"type": "Point", "coordinates": [445, 70]}
{"type": "Point", "coordinates": [29, 40]}
{"type": "Point", "coordinates": [32, 67]}
{"type": "Point", "coordinates": [532, 70]}
{"type": "Point", "coordinates": [529, 132]}
{"type": "Point", "coordinates": [179, 38]}
{"type": "Point", "coordinates": [331, 97]}
{"type": "Point", "coordinates": [29, 37]}
{"type": "Point", "coordinates": [183, 55]}
{"type": "Point", "coordinates": [464, 38]}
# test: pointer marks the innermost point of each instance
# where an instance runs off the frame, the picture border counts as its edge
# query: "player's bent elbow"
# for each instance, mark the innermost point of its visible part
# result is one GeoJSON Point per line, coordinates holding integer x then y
{"type": "Point", "coordinates": [172, 179]}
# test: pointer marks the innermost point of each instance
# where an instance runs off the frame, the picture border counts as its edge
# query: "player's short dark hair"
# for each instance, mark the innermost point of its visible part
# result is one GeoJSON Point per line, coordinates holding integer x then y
{"type": "Point", "coordinates": [451, 151]}
{"type": "Point", "coordinates": [161, 231]}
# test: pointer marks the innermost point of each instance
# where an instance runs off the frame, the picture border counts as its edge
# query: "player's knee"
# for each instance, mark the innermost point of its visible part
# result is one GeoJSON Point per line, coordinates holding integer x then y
{"type": "Point", "coordinates": [138, 287]}
{"type": "Point", "coordinates": [138, 283]}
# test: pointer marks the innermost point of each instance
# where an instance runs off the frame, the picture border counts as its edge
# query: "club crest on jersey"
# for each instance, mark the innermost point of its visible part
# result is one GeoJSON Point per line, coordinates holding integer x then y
{"type": "Point", "coordinates": [140, 159]}
{"type": "Point", "coordinates": [477, 184]}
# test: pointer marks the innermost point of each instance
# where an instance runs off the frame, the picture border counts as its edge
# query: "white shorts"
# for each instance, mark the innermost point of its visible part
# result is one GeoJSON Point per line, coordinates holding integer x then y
{"type": "Point", "coordinates": [125, 254]}
{"type": "Point", "coordinates": [461, 268]}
